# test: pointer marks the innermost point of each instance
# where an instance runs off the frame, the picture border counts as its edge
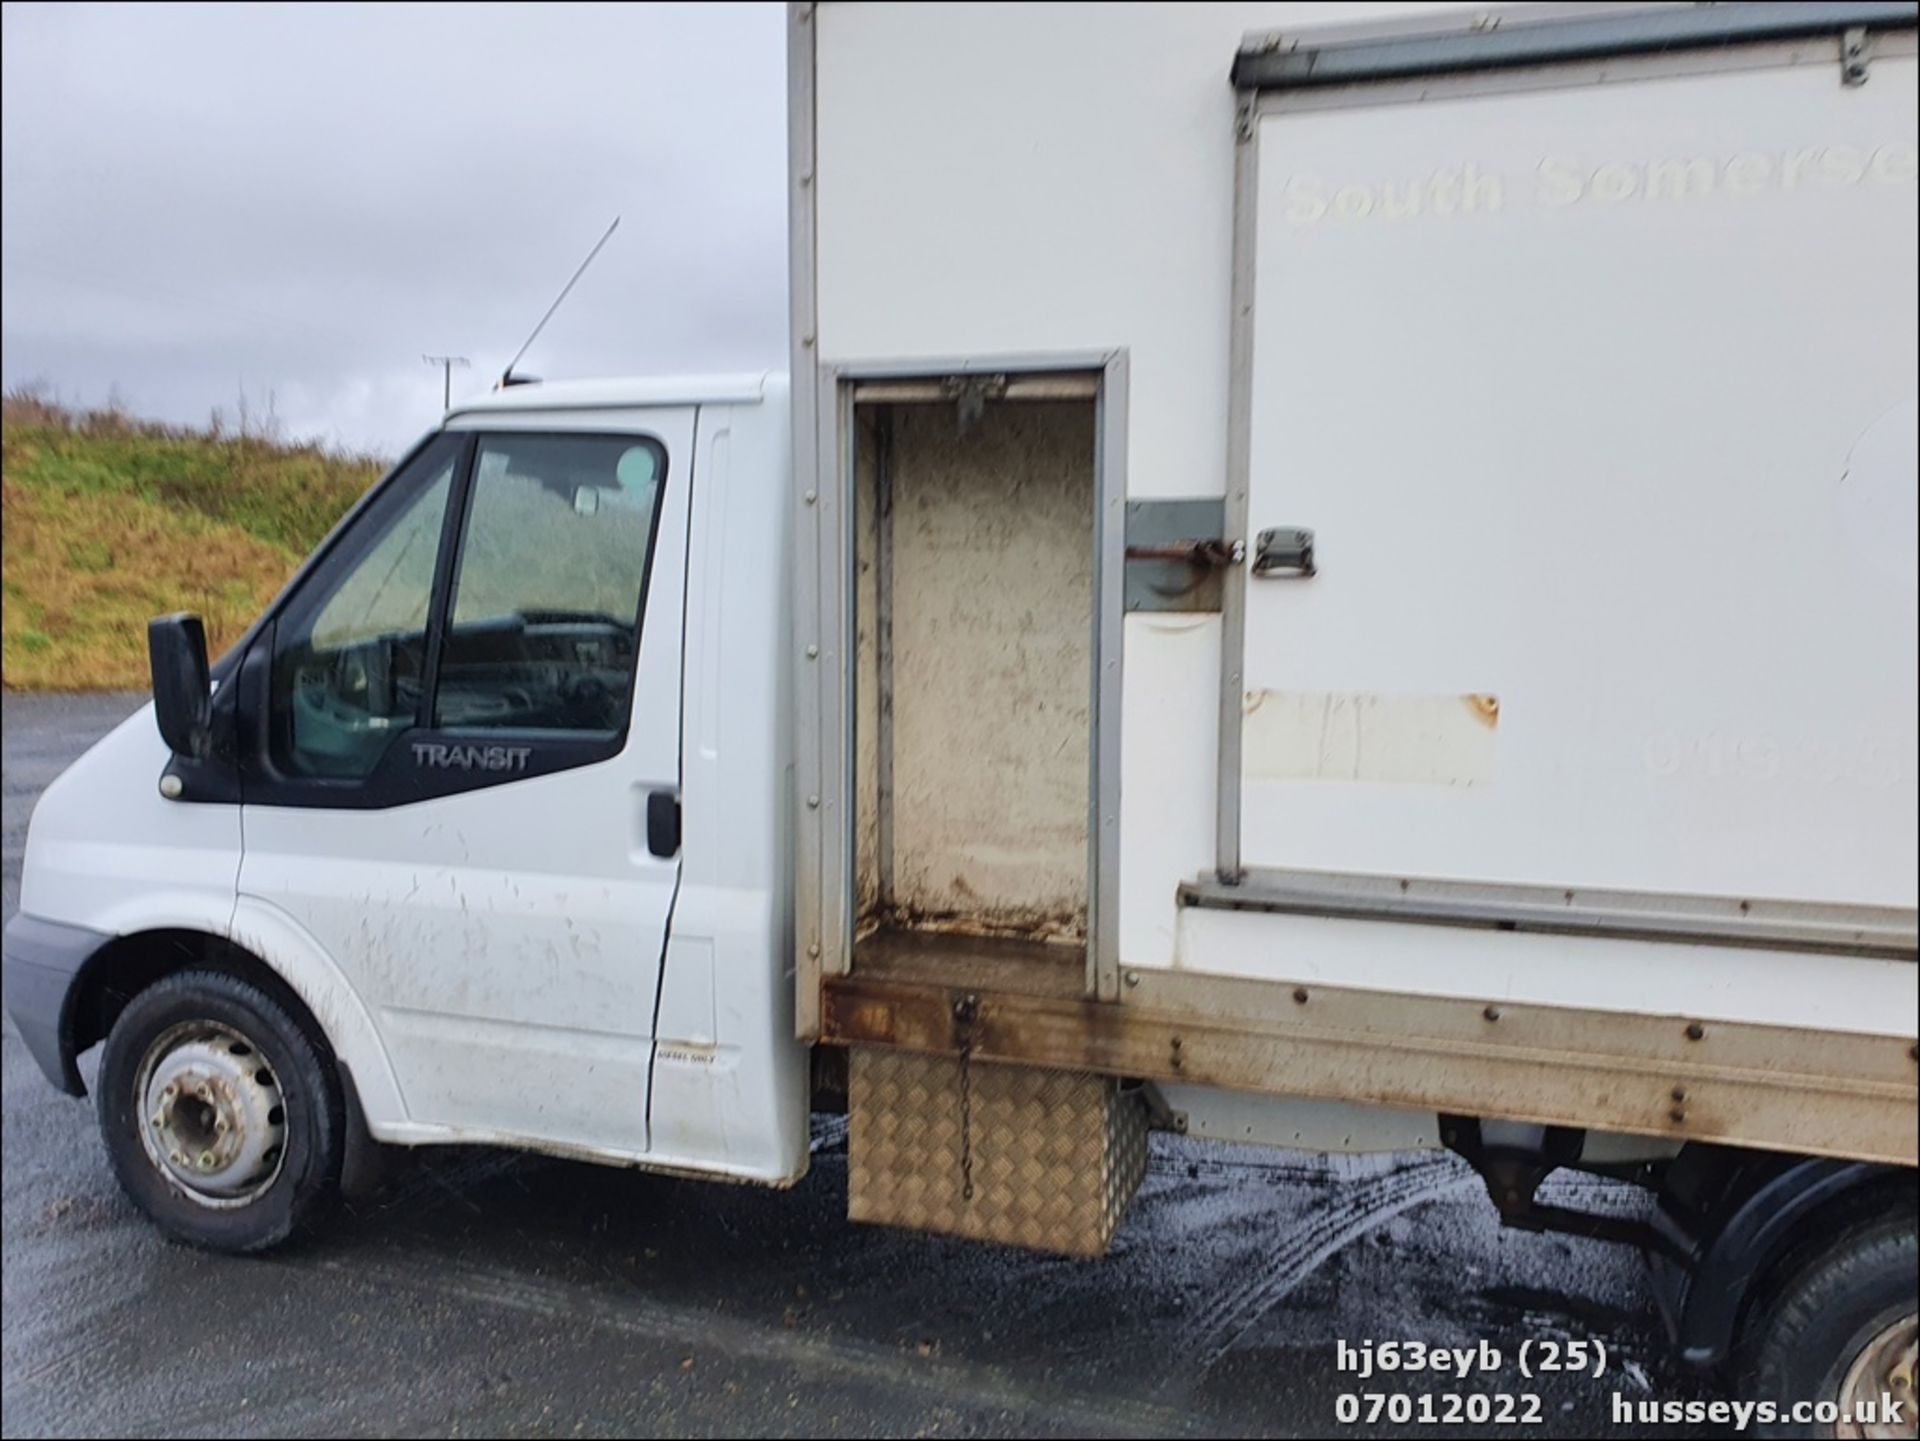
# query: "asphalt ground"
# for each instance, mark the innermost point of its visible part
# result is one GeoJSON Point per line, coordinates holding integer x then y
{"type": "Point", "coordinates": [489, 1293]}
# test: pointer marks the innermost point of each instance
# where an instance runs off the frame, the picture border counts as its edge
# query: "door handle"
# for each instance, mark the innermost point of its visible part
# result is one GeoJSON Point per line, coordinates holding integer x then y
{"type": "Point", "coordinates": [1286, 550]}
{"type": "Point", "coordinates": [663, 824]}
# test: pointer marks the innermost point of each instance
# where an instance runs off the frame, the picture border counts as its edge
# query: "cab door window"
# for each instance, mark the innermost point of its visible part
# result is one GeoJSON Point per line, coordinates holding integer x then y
{"type": "Point", "coordinates": [549, 585]}
{"type": "Point", "coordinates": [350, 652]}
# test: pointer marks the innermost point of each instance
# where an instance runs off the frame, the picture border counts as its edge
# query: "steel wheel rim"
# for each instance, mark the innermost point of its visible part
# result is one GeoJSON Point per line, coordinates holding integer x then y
{"type": "Point", "coordinates": [1885, 1366]}
{"type": "Point", "coordinates": [210, 1113]}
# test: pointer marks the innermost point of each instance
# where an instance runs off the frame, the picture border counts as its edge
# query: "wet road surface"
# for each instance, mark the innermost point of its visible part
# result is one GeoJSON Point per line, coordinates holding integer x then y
{"type": "Point", "coordinates": [484, 1293]}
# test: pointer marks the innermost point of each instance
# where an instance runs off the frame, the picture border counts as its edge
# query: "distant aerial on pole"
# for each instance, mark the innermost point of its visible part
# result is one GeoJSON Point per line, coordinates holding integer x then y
{"type": "Point", "coordinates": [446, 364]}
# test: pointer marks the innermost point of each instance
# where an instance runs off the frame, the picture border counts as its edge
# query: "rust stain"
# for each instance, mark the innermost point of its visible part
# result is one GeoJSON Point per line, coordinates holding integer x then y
{"type": "Point", "coordinates": [1560, 1066]}
{"type": "Point", "coordinates": [1026, 923]}
{"type": "Point", "coordinates": [869, 1020]}
{"type": "Point", "coordinates": [1485, 707]}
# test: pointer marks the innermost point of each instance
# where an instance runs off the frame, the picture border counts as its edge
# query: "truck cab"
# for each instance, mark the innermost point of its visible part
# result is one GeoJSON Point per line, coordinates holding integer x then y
{"type": "Point", "coordinates": [488, 804]}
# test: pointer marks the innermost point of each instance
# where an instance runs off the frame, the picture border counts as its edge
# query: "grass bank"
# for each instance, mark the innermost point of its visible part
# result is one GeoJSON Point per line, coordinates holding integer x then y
{"type": "Point", "coordinates": [109, 521]}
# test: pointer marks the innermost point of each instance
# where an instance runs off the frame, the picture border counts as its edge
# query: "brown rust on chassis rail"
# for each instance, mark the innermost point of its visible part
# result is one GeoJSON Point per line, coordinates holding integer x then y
{"type": "Point", "coordinates": [1771, 1087]}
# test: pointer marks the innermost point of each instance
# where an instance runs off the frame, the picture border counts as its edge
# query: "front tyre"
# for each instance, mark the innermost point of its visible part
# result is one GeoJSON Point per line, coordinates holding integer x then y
{"type": "Point", "coordinates": [1839, 1327]}
{"type": "Point", "coordinates": [221, 1117]}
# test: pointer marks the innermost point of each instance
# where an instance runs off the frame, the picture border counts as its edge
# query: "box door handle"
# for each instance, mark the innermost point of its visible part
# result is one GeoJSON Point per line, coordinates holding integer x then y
{"type": "Point", "coordinates": [1284, 551]}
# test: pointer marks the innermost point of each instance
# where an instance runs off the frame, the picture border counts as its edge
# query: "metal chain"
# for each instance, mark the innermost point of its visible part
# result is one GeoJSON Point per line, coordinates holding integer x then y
{"type": "Point", "coordinates": [966, 1121]}
{"type": "Point", "coordinates": [966, 1010]}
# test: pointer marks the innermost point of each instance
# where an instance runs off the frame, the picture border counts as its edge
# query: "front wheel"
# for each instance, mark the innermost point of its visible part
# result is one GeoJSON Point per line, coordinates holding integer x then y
{"type": "Point", "coordinates": [1837, 1330]}
{"type": "Point", "coordinates": [221, 1119]}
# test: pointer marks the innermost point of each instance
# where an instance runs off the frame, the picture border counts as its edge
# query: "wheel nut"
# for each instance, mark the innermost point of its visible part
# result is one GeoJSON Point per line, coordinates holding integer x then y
{"type": "Point", "coordinates": [220, 1125]}
{"type": "Point", "coordinates": [177, 1158]}
{"type": "Point", "coordinates": [206, 1160]}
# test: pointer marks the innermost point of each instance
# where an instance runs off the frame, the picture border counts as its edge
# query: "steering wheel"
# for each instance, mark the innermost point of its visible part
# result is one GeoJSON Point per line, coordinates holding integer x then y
{"type": "Point", "coordinates": [589, 703]}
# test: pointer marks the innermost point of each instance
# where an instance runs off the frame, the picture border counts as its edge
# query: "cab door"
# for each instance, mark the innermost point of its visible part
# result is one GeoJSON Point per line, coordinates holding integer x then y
{"type": "Point", "coordinates": [455, 729]}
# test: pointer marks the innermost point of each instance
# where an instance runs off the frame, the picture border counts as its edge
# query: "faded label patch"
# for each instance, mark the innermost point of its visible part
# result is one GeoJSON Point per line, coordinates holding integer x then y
{"type": "Point", "coordinates": [1435, 740]}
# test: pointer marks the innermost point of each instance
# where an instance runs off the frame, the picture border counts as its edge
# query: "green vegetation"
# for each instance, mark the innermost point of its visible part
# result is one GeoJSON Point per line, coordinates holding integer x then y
{"type": "Point", "coordinates": [109, 521]}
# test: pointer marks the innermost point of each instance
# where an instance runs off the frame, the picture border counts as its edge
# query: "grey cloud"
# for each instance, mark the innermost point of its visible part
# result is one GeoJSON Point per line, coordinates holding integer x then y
{"type": "Point", "coordinates": [303, 199]}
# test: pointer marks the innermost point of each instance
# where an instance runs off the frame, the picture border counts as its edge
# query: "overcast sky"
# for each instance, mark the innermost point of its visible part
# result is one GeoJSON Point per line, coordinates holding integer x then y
{"type": "Point", "coordinates": [302, 200]}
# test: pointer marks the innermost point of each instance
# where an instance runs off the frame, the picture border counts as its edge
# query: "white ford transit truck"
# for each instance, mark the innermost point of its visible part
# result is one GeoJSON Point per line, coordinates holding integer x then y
{"type": "Point", "coordinates": [1337, 585]}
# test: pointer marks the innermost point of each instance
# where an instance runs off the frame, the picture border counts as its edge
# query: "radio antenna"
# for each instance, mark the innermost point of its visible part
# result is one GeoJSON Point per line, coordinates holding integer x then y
{"type": "Point", "coordinates": [506, 376]}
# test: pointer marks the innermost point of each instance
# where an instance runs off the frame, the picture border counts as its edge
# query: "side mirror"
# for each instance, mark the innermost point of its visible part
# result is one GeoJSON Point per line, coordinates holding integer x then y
{"type": "Point", "coordinates": [182, 688]}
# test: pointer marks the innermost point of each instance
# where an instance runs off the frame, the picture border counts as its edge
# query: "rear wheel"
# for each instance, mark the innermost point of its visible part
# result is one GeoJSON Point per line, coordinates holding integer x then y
{"type": "Point", "coordinates": [220, 1115]}
{"type": "Point", "coordinates": [1838, 1325]}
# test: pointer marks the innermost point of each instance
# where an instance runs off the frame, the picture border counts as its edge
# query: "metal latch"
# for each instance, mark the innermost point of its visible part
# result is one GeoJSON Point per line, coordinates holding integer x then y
{"type": "Point", "coordinates": [1284, 551]}
{"type": "Point", "coordinates": [1193, 552]}
{"type": "Point", "coordinates": [1175, 557]}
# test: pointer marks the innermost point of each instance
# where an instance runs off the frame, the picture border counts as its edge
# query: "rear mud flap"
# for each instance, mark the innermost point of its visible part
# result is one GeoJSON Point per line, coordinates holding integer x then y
{"type": "Point", "coordinates": [1044, 1159]}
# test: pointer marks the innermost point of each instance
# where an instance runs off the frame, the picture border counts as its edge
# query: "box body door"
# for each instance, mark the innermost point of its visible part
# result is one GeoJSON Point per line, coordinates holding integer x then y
{"type": "Point", "coordinates": [1599, 400]}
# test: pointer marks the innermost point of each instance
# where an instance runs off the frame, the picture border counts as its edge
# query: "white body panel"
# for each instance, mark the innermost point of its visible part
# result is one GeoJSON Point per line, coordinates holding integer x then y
{"type": "Point", "coordinates": [1088, 205]}
{"type": "Point", "coordinates": [1583, 471]}
{"type": "Point", "coordinates": [1079, 199]}
{"type": "Point", "coordinates": [1629, 484]}
{"type": "Point", "coordinates": [730, 1084]}
{"type": "Point", "coordinates": [1732, 983]}
{"type": "Point", "coordinates": [105, 851]}
{"type": "Point", "coordinates": [1296, 1124]}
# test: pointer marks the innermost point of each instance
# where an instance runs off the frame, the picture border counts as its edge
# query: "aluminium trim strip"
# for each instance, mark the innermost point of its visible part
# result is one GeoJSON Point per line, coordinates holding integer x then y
{"type": "Point", "coordinates": [807, 698]}
{"type": "Point", "coordinates": [1278, 62]}
{"type": "Point", "coordinates": [1883, 931]}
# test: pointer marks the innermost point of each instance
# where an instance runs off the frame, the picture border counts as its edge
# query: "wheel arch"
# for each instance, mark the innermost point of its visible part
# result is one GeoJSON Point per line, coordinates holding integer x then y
{"type": "Point", "coordinates": [128, 964]}
{"type": "Point", "coordinates": [271, 951]}
{"type": "Point", "coordinates": [1740, 1215]}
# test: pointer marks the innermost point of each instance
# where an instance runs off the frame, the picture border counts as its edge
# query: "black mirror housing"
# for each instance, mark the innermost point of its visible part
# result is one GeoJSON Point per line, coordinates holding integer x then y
{"type": "Point", "coordinates": [182, 686]}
